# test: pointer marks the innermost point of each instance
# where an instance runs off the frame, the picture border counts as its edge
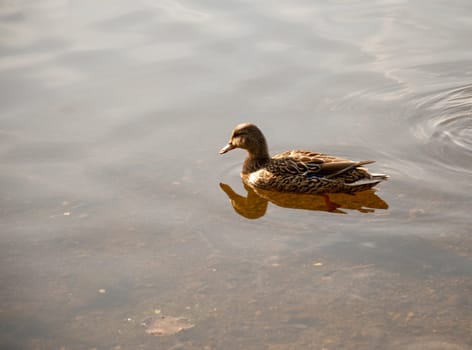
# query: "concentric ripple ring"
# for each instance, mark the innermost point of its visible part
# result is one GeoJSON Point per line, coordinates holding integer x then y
{"type": "Point", "coordinates": [446, 128]}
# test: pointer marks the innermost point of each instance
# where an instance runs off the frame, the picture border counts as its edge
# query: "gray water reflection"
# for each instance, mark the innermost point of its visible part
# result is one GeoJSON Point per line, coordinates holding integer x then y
{"type": "Point", "coordinates": [111, 212]}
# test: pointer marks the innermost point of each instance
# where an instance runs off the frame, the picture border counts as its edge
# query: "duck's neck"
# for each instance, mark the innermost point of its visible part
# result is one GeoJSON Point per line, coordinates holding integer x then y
{"type": "Point", "coordinates": [256, 160]}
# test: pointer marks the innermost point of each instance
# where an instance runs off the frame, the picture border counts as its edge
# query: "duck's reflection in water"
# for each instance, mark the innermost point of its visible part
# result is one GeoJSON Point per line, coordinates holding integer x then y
{"type": "Point", "coordinates": [254, 204]}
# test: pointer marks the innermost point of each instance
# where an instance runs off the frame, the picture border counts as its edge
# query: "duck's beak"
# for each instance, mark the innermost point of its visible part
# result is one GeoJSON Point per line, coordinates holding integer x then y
{"type": "Point", "coordinates": [227, 148]}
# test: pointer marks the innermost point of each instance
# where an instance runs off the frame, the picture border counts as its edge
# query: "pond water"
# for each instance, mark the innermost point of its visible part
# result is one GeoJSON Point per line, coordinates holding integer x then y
{"type": "Point", "coordinates": [115, 204]}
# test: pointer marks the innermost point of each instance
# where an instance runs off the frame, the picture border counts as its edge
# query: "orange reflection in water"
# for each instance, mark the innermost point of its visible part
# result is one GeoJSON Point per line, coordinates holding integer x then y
{"type": "Point", "coordinates": [254, 204]}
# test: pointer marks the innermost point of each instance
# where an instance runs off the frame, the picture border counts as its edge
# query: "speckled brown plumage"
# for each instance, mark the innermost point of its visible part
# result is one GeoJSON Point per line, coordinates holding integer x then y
{"type": "Point", "coordinates": [297, 171]}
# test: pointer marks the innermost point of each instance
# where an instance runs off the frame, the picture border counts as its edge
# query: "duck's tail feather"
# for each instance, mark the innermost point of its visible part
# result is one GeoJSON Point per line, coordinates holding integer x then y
{"type": "Point", "coordinates": [362, 185]}
{"type": "Point", "coordinates": [379, 176]}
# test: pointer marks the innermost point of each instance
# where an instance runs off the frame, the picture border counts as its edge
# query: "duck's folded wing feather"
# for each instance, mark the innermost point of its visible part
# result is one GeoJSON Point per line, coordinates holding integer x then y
{"type": "Point", "coordinates": [313, 164]}
{"type": "Point", "coordinates": [328, 168]}
{"type": "Point", "coordinates": [307, 157]}
{"type": "Point", "coordinates": [343, 167]}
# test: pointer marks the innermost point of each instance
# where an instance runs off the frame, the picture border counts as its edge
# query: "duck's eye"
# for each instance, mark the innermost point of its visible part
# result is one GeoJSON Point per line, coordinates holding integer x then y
{"type": "Point", "coordinates": [238, 134]}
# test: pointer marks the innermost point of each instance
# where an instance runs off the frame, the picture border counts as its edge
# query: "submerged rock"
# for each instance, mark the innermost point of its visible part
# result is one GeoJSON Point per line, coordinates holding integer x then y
{"type": "Point", "coordinates": [166, 325]}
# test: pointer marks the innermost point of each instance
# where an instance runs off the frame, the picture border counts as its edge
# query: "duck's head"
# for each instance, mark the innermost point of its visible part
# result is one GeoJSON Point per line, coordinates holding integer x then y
{"type": "Point", "coordinates": [247, 136]}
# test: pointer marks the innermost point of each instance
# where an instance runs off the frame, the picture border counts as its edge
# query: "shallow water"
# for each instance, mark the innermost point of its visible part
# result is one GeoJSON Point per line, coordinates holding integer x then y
{"type": "Point", "coordinates": [111, 205]}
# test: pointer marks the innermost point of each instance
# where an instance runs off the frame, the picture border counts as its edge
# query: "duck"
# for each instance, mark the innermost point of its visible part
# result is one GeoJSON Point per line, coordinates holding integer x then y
{"type": "Point", "coordinates": [297, 171]}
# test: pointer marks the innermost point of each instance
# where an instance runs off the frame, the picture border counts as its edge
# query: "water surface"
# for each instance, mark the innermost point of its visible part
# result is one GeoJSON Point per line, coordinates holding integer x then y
{"type": "Point", "coordinates": [110, 198]}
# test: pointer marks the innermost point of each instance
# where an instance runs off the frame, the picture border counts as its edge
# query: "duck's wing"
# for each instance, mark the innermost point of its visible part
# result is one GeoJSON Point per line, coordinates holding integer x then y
{"type": "Point", "coordinates": [313, 164]}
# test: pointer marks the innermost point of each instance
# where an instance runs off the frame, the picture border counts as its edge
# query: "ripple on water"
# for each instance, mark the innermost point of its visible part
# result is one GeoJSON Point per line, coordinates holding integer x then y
{"type": "Point", "coordinates": [446, 127]}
